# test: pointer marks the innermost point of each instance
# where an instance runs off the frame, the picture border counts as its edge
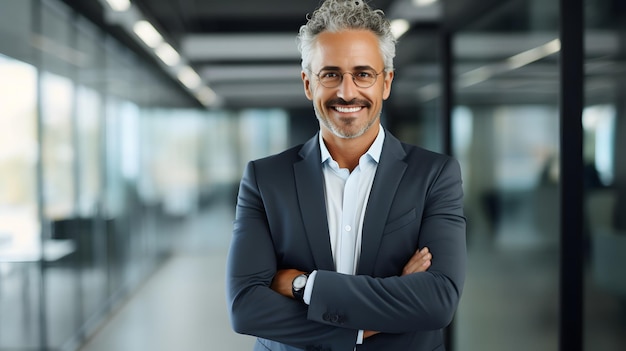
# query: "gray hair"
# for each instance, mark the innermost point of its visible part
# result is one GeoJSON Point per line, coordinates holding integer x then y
{"type": "Point", "coordinates": [338, 15]}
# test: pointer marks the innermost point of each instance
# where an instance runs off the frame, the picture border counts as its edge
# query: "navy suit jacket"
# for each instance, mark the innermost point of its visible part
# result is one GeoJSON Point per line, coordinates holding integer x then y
{"type": "Point", "coordinates": [416, 200]}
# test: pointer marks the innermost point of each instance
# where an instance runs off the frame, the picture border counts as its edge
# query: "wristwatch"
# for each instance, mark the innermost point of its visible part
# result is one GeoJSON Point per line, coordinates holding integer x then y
{"type": "Point", "coordinates": [297, 286]}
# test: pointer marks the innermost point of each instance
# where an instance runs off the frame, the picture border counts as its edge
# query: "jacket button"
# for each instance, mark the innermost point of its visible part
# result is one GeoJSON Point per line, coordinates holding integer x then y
{"type": "Point", "coordinates": [334, 318]}
{"type": "Point", "coordinates": [326, 317]}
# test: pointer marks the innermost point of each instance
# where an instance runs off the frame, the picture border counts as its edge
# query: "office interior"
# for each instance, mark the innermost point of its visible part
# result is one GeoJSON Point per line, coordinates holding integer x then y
{"type": "Point", "coordinates": [120, 159]}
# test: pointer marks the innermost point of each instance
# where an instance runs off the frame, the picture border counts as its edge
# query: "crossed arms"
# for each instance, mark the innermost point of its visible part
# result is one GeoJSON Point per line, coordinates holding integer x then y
{"type": "Point", "coordinates": [263, 262]}
{"type": "Point", "coordinates": [282, 282]}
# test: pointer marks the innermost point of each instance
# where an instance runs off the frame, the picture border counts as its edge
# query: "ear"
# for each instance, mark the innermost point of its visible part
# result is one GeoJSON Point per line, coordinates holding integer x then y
{"type": "Point", "coordinates": [307, 85]}
{"type": "Point", "coordinates": [387, 85]}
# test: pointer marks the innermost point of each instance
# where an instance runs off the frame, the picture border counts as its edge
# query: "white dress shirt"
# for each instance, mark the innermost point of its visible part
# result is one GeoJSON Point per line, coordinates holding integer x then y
{"type": "Point", "coordinates": [346, 200]}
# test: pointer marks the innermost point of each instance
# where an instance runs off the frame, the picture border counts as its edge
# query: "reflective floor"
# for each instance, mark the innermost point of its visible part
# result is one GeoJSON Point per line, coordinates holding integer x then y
{"type": "Point", "coordinates": [182, 306]}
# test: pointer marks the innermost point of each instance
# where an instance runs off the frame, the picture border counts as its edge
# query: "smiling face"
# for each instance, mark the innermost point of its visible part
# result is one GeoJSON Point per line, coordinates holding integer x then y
{"type": "Point", "coordinates": [347, 111]}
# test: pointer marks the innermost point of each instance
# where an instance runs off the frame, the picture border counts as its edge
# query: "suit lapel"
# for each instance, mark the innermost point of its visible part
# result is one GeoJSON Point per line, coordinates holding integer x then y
{"type": "Point", "coordinates": [388, 175]}
{"type": "Point", "coordinates": [310, 189]}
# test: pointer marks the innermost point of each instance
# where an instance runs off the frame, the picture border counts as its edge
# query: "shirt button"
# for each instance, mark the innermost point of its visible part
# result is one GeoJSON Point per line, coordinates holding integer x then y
{"type": "Point", "coordinates": [348, 228]}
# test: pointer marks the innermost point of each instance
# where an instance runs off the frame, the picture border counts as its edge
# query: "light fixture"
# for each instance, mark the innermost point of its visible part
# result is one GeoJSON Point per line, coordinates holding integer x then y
{"type": "Point", "coordinates": [399, 27]}
{"type": "Point", "coordinates": [147, 33]}
{"type": "Point", "coordinates": [119, 5]}
{"type": "Point", "coordinates": [423, 3]}
{"type": "Point", "coordinates": [167, 54]}
{"type": "Point", "coordinates": [131, 19]}
{"type": "Point", "coordinates": [206, 96]}
{"type": "Point", "coordinates": [534, 54]}
{"type": "Point", "coordinates": [514, 62]}
{"type": "Point", "coordinates": [476, 76]}
{"type": "Point", "coordinates": [189, 77]}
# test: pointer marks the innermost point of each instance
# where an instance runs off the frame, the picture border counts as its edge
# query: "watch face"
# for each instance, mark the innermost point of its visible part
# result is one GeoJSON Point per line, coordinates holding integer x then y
{"type": "Point", "coordinates": [299, 282]}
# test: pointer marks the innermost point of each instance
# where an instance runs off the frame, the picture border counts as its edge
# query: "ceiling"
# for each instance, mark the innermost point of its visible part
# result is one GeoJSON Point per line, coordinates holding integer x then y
{"type": "Point", "coordinates": [245, 50]}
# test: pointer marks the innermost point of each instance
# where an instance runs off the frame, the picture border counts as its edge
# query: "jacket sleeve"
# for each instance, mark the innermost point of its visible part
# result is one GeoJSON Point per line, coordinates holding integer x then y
{"type": "Point", "coordinates": [419, 301]}
{"type": "Point", "coordinates": [254, 308]}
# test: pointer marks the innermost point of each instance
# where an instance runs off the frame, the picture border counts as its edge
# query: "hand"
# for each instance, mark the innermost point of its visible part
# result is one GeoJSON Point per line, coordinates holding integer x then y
{"type": "Point", "coordinates": [368, 333]}
{"type": "Point", "coordinates": [419, 262]}
{"type": "Point", "coordinates": [282, 281]}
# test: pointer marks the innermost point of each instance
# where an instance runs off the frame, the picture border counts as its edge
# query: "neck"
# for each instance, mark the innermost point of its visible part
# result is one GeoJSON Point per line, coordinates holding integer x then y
{"type": "Point", "coordinates": [347, 152]}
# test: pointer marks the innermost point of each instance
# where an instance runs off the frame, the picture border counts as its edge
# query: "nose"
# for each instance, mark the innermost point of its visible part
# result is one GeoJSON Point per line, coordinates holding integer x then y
{"type": "Point", "coordinates": [347, 89]}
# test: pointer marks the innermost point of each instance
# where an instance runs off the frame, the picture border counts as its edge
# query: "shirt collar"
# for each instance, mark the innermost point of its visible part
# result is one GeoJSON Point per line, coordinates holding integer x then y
{"type": "Point", "coordinates": [374, 151]}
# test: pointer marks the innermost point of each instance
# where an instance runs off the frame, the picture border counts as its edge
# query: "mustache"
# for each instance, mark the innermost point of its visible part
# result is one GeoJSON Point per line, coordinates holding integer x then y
{"type": "Point", "coordinates": [340, 101]}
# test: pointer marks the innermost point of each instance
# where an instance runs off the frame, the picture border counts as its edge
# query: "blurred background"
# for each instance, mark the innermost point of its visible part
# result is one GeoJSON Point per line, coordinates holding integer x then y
{"type": "Point", "coordinates": [125, 126]}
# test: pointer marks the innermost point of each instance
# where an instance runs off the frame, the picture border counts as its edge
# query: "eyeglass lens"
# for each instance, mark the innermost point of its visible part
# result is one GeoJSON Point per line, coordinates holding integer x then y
{"type": "Point", "coordinates": [362, 78]}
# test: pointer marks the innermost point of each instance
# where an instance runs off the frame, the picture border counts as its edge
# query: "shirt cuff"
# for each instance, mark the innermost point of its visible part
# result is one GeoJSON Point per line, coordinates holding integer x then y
{"type": "Point", "coordinates": [308, 288]}
{"type": "Point", "coordinates": [359, 337]}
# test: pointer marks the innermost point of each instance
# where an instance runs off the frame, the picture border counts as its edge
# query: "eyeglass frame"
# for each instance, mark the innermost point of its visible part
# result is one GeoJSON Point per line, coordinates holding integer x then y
{"type": "Point", "coordinates": [341, 74]}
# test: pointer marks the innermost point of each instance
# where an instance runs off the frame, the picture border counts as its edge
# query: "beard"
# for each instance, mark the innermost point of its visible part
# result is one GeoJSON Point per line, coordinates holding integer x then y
{"type": "Point", "coordinates": [344, 132]}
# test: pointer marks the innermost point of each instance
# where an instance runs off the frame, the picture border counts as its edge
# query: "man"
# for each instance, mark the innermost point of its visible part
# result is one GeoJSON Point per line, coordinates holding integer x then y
{"type": "Point", "coordinates": [353, 240]}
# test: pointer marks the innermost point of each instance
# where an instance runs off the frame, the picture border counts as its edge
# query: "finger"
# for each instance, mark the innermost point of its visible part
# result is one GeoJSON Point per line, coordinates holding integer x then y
{"type": "Point", "coordinates": [423, 261]}
{"type": "Point", "coordinates": [418, 263]}
{"type": "Point", "coordinates": [419, 255]}
{"type": "Point", "coordinates": [416, 268]}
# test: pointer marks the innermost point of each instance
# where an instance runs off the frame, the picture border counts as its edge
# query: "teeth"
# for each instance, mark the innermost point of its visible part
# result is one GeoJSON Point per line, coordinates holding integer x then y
{"type": "Point", "coordinates": [347, 109]}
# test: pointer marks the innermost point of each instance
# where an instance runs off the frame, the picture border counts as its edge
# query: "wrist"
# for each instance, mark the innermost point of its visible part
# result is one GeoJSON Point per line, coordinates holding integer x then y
{"type": "Point", "coordinates": [298, 285]}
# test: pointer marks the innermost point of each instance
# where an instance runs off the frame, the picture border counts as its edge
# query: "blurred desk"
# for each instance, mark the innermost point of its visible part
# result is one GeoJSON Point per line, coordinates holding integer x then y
{"type": "Point", "coordinates": [24, 257]}
{"type": "Point", "coordinates": [49, 251]}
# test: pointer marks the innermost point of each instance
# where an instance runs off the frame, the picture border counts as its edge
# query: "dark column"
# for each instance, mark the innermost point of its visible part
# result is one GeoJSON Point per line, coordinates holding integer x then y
{"type": "Point", "coordinates": [571, 107]}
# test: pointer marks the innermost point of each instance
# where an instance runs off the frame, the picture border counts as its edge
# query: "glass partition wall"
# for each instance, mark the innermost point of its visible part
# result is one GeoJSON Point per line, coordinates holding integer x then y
{"type": "Point", "coordinates": [75, 238]}
{"type": "Point", "coordinates": [103, 165]}
{"type": "Point", "coordinates": [505, 133]}
{"type": "Point", "coordinates": [604, 123]}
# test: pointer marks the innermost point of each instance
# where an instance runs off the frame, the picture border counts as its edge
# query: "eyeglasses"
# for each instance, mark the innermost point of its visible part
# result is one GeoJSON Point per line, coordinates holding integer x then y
{"type": "Point", "coordinates": [362, 78]}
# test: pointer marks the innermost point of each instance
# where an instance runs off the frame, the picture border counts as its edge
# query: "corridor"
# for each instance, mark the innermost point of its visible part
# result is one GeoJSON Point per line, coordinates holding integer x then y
{"type": "Point", "coordinates": [182, 306]}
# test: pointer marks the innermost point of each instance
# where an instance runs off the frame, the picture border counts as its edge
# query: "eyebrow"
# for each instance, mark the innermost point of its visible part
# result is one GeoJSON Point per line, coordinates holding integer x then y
{"type": "Point", "coordinates": [335, 68]}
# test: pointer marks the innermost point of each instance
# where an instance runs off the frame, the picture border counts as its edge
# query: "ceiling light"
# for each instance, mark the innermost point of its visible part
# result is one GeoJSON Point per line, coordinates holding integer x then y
{"type": "Point", "coordinates": [422, 3]}
{"type": "Point", "coordinates": [399, 27]}
{"type": "Point", "coordinates": [535, 54]}
{"type": "Point", "coordinates": [146, 32]}
{"type": "Point", "coordinates": [119, 5]}
{"type": "Point", "coordinates": [520, 60]}
{"type": "Point", "coordinates": [167, 54]}
{"type": "Point", "coordinates": [476, 76]}
{"type": "Point", "coordinates": [206, 96]}
{"type": "Point", "coordinates": [189, 77]}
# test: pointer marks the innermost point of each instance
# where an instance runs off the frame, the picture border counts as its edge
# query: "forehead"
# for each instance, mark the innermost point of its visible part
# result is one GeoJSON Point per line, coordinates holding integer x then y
{"type": "Point", "coordinates": [347, 49]}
